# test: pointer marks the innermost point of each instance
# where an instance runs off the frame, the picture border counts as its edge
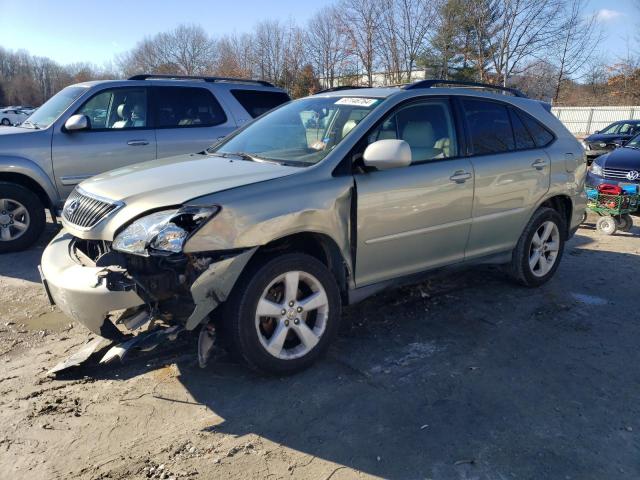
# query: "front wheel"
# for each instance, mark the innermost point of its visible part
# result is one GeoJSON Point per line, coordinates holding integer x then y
{"type": "Point", "coordinates": [22, 217]}
{"type": "Point", "coordinates": [607, 225]}
{"type": "Point", "coordinates": [5, 122]}
{"type": "Point", "coordinates": [539, 250]}
{"type": "Point", "coordinates": [282, 314]}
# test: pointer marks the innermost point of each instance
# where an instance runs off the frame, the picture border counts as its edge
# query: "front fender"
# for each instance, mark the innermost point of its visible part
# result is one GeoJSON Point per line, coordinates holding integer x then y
{"type": "Point", "coordinates": [27, 168]}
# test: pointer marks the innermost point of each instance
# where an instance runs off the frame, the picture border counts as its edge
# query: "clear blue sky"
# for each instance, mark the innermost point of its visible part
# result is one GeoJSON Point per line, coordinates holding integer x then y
{"type": "Point", "coordinates": [72, 30]}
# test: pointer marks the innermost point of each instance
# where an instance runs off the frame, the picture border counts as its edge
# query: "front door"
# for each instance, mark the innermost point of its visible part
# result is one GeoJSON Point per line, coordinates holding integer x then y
{"type": "Point", "coordinates": [119, 134]}
{"type": "Point", "coordinates": [418, 217]}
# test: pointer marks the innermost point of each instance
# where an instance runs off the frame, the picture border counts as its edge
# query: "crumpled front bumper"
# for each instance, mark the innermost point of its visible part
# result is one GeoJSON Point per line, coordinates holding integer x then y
{"type": "Point", "coordinates": [78, 290]}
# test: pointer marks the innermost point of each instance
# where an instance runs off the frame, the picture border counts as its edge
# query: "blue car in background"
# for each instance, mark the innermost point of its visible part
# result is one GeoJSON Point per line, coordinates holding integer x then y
{"type": "Point", "coordinates": [618, 167]}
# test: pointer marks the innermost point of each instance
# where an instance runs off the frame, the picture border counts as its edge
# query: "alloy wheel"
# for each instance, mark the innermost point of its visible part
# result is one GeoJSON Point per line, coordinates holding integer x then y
{"type": "Point", "coordinates": [291, 315]}
{"type": "Point", "coordinates": [543, 251]}
{"type": "Point", "coordinates": [14, 219]}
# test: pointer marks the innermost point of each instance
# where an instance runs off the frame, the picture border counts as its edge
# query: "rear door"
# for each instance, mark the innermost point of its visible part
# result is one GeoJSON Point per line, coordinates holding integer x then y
{"type": "Point", "coordinates": [188, 119]}
{"type": "Point", "coordinates": [417, 217]}
{"type": "Point", "coordinates": [119, 134]}
{"type": "Point", "coordinates": [512, 172]}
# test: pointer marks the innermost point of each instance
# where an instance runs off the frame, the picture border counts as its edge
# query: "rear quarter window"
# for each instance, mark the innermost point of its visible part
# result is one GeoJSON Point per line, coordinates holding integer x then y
{"type": "Point", "coordinates": [541, 136]}
{"type": "Point", "coordinates": [257, 102]}
{"type": "Point", "coordinates": [489, 126]}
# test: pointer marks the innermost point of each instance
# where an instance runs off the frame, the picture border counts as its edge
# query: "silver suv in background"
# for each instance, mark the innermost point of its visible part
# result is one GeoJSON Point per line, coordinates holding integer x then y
{"type": "Point", "coordinates": [89, 128]}
{"type": "Point", "coordinates": [319, 203]}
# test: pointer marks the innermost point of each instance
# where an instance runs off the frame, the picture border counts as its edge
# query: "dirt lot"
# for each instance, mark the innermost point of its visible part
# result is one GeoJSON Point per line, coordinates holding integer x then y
{"type": "Point", "coordinates": [463, 377]}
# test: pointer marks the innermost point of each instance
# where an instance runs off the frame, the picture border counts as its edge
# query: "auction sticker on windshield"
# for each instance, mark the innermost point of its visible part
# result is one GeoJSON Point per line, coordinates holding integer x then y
{"type": "Point", "coordinates": [357, 101]}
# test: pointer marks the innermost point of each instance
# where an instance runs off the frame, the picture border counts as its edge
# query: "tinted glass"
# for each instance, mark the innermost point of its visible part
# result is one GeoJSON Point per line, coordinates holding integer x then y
{"type": "Point", "coordinates": [427, 127]}
{"type": "Point", "coordinates": [257, 102]}
{"type": "Point", "coordinates": [489, 126]}
{"type": "Point", "coordinates": [523, 138]}
{"type": "Point", "coordinates": [540, 134]}
{"type": "Point", "coordinates": [118, 108]}
{"type": "Point", "coordinates": [181, 107]}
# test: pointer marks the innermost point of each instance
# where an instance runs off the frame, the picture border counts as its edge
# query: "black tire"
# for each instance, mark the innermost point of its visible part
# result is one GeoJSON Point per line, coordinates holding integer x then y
{"type": "Point", "coordinates": [607, 225]}
{"type": "Point", "coordinates": [520, 269]}
{"type": "Point", "coordinates": [6, 122]}
{"type": "Point", "coordinates": [35, 209]}
{"type": "Point", "coordinates": [239, 313]}
{"type": "Point", "coordinates": [625, 223]}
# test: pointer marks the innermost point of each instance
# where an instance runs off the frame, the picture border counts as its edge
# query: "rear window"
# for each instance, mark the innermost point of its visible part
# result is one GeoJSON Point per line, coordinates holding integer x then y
{"type": "Point", "coordinates": [541, 136]}
{"type": "Point", "coordinates": [257, 102]}
{"type": "Point", "coordinates": [183, 107]}
{"type": "Point", "coordinates": [489, 126]}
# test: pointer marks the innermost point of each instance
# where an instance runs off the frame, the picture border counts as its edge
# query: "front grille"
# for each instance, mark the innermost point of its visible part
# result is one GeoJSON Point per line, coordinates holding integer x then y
{"type": "Point", "coordinates": [598, 146]}
{"type": "Point", "coordinates": [85, 211]}
{"type": "Point", "coordinates": [618, 174]}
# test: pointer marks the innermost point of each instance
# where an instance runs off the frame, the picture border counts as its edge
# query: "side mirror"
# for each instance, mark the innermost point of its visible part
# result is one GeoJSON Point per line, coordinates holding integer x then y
{"type": "Point", "coordinates": [386, 154]}
{"type": "Point", "coordinates": [77, 122]}
{"type": "Point", "coordinates": [597, 131]}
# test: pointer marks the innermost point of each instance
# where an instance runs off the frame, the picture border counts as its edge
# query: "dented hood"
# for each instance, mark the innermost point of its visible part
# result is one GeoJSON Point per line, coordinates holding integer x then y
{"type": "Point", "coordinates": [170, 182]}
{"type": "Point", "coordinates": [175, 180]}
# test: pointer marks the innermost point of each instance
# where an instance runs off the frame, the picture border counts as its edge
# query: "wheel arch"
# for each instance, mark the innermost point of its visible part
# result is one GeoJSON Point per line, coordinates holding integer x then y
{"type": "Point", "coordinates": [318, 245]}
{"type": "Point", "coordinates": [564, 206]}
{"type": "Point", "coordinates": [28, 174]}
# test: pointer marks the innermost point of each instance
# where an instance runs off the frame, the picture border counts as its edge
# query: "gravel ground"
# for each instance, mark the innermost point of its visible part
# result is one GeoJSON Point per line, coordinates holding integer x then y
{"type": "Point", "coordinates": [463, 377]}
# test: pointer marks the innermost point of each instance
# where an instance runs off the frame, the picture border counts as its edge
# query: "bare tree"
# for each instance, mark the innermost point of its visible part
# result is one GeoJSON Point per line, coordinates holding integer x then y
{"type": "Point", "coordinates": [360, 20]}
{"type": "Point", "coordinates": [326, 45]}
{"type": "Point", "coordinates": [525, 29]}
{"type": "Point", "coordinates": [234, 55]}
{"type": "Point", "coordinates": [269, 50]}
{"type": "Point", "coordinates": [186, 50]}
{"type": "Point", "coordinates": [580, 36]}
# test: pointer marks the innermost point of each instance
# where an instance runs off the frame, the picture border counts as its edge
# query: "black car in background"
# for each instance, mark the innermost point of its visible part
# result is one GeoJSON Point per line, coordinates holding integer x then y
{"type": "Point", "coordinates": [619, 167]}
{"type": "Point", "coordinates": [610, 138]}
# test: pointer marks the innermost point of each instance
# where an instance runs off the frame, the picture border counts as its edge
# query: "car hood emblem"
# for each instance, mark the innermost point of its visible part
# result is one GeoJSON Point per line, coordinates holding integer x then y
{"type": "Point", "coordinates": [633, 175]}
{"type": "Point", "coordinates": [71, 207]}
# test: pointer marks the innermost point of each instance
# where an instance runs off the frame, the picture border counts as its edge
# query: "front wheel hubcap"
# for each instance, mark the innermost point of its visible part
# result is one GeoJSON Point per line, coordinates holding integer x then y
{"type": "Point", "coordinates": [14, 219]}
{"type": "Point", "coordinates": [291, 315]}
{"type": "Point", "coordinates": [543, 252]}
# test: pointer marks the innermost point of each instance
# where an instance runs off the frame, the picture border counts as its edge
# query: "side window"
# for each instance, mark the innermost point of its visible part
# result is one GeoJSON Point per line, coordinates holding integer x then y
{"type": "Point", "coordinates": [257, 102]}
{"type": "Point", "coordinates": [181, 107]}
{"type": "Point", "coordinates": [523, 138]}
{"type": "Point", "coordinates": [541, 136]}
{"type": "Point", "coordinates": [426, 126]}
{"type": "Point", "coordinates": [117, 108]}
{"type": "Point", "coordinates": [489, 126]}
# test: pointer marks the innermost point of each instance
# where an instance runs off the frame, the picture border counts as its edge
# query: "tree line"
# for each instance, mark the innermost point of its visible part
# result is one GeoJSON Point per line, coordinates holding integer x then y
{"type": "Point", "coordinates": [545, 47]}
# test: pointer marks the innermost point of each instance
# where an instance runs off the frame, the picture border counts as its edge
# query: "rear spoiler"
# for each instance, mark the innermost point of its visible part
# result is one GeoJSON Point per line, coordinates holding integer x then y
{"type": "Point", "coordinates": [546, 106]}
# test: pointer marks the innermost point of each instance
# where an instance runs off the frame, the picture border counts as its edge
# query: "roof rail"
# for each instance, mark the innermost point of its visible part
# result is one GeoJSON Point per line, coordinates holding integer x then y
{"type": "Point", "coordinates": [431, 83]}
{"type": "Point", "coordinates": [147, 76]}
{"type": "Point", "coordinates": [337, 89]}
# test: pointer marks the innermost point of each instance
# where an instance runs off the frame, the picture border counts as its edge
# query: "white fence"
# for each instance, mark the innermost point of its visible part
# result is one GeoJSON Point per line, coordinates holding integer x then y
{"type": "Point", "coordinates": [582, 121]}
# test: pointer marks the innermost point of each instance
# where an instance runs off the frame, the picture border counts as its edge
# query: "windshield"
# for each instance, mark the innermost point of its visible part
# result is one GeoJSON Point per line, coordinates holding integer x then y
{"type": "Point", "coordinates": [634, 142]}
{"type": "Point", "coordinates": [52, 108]}
{"type": "Point", "coordinates": [301, 132]}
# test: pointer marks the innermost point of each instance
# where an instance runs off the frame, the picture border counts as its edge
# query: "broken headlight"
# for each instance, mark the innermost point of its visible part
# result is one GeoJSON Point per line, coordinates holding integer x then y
{"type": "Point", "coordinates": [163, 231]}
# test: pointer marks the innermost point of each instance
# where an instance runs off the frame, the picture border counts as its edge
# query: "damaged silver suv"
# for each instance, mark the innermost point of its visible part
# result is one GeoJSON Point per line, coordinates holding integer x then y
{"type": "Point", "coordinates": [318, 204]}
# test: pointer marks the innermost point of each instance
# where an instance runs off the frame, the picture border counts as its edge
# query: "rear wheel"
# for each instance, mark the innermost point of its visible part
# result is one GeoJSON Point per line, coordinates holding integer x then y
{"type": "Point", "coordinates": [539, 250]}
{"type": "Point", "coordinates": [22, 217]}
{"type": "Point", "coordinates": [282, 314]}
{"type": "Point", "coordinates": [625, 222]}
{"type": "Point", "coordinates": [5, 122]}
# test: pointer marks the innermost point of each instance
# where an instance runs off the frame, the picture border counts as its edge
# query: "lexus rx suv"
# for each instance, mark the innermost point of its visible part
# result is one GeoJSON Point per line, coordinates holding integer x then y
{"type": "Point", "coordinates": [265, 236]}
{"type": "Point", "coordinates": [92, 127]}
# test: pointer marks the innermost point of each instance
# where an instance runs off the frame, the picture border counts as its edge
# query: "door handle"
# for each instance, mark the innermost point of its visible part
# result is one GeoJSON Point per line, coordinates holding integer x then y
{"type": "Point", "coordinates": [137, 143]}
{"type": "Point", "coordinates": [539, 164]}
{"type": "Point", "coordinates": [460, 176]}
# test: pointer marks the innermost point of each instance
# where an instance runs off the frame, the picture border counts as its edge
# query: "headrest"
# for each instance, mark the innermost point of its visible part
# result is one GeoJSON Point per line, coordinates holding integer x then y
{"type": "Point", "coordinates": [418, 134]}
